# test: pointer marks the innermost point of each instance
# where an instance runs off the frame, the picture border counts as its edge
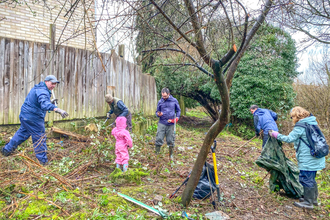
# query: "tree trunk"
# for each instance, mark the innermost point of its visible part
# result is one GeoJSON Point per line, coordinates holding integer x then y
{"type": "Point", "coordinates": [215, 129]}
{"type": "Point", "coordinates": [205, 103]}
{"type": "Point", "coordinates": [223, 86]}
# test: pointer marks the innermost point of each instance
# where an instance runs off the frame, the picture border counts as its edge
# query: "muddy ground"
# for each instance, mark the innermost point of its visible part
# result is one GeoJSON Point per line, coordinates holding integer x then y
{"type": "Point", "coordinates": [77, 183]}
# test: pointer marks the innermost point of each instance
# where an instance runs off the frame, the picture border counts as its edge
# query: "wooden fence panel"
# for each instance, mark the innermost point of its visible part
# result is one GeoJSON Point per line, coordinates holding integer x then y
{"type": "Point", "coordinates": [83, 82]}
{"type": "Point", "coordinates": [12, 76]}
{"type": "Point", "coordinates": [2, 73]}
{"type": "Point", "coordinates": [6, 81]}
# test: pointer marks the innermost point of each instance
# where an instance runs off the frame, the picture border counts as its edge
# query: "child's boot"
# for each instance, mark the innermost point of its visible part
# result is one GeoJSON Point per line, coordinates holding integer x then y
{"type": "Point", "coordinates": [125, 167]}
{"type": "Point", "coordinates": [118, 166]}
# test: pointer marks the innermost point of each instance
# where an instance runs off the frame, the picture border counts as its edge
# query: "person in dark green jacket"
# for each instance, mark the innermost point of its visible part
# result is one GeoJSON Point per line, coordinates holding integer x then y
{"type": "Point", "coordinates": [118, 108]}
{"type": "Point", "coordinates": [308, 165]}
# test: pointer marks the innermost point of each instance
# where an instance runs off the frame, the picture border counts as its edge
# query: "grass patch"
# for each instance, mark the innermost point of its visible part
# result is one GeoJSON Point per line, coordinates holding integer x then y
{"type": "Point", "coordinates": [196, 112]}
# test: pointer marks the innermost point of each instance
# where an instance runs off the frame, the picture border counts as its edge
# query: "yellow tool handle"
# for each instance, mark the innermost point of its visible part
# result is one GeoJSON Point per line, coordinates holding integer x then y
{"type": "Point", "coordinates": [215, 168]}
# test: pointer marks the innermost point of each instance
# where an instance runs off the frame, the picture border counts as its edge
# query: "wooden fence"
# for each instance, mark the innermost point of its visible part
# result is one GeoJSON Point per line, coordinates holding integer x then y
{"type": "Point", "coordinates": [83, 82]}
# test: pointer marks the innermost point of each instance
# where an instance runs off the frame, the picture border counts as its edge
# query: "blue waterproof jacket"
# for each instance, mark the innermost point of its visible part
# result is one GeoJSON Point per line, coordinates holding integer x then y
{"type": "Point", "coordinates": [305, 160]}
{"type": "Point", "coordinates": [169, 107]}
{"type": "Point", "coordinates": [37, 103]}
{"type": "Point", "coordinates": [265, 119]}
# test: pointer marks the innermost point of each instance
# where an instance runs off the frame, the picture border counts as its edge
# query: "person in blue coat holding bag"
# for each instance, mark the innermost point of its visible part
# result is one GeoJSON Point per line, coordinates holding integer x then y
{"type": "Point", "coordinates": [308, 165]}
{"type": "Point", "coordinates": [264, 119]}
{"type": "Point", "coordinates": [32, 117]}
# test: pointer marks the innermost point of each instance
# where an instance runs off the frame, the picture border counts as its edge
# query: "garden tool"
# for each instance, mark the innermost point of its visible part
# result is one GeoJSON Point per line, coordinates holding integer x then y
{"type": "Point", "coordinates": [55, 100]}
{"type": "Point", "coordinates": [215, 168]}
{"type": "Point", "coordinates": [243, 145]}
{"type": "Point", "coordinates": [184, 182]}
{"type": "Point", "coordinates": [157, 212]}
{"type": "Point", "coordinates": [110, 125]}
{"type": "Point", "coordinates": [185, 215]}
{"type": "Point", "coordinates": [171, 148]}
{"type": "Point", "coordinates": [208, 176]}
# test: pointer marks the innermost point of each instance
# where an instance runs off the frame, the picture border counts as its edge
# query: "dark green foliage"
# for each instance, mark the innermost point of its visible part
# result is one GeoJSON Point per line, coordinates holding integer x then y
{"type": "Point", "coordinates": [244, 130]}
{"type": "Point", "coordinates": [189, 82]}
{"type": "Point", "coordinates": [265, 75]}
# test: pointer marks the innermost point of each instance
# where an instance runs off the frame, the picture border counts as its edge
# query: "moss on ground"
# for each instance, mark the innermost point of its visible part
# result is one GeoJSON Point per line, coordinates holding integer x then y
{"type": "Point", "coordinates": [131, 175]}
{"type": "Point", "coordinates": [36, 207]}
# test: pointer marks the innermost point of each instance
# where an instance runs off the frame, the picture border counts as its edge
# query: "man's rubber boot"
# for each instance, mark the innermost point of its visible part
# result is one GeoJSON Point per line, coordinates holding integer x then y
{"type": "Point", "coordinates": [170, 152]}
{"type": "Point", "coordinates": [4, 152]}
{"type": "Point", "coordinates": [309, 195]}
{"type": "Point", "coordinates": [315, 197]}
{"type": "Point", "coordinates": [45, 164]}
{"type": "Point", "coordinates": [157, 149]}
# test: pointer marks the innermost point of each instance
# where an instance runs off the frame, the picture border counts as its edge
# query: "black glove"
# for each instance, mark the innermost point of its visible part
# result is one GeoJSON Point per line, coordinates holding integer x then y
{"type": "Point", "coordinates": [62, 112]}
{"type": "Point", "coordinates": [257, 134]}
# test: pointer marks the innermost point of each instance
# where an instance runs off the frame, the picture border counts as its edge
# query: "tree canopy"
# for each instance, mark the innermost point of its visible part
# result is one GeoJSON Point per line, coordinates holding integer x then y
{"type": "Point", "coordinates": [264, 77]}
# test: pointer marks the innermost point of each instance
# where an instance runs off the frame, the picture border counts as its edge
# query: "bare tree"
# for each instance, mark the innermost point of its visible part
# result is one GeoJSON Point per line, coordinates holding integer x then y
{"type": "Point", "coordinates": [315, 95]}
{"type": "Point", "coordinates": [190, 37]}
{"type": "Point", "coordinates": [310, 17]}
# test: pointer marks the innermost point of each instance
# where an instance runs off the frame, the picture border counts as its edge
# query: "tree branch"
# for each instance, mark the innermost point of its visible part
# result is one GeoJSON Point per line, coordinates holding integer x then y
{"type": "Point", "coordinates": [246, 23]}
{"type": "Point", "coordinates": [172, 24]}
{"type": "Point", "coordinates": [230, 26]}
{"type": "Point", "coordinates": [199, 38]}
{"type": "Point", "coordinates": [188, 64]}
{"type": "Point", "coordinates": [171, 49]}
{"type": "Point", "coordinates": [311, 36]}
{"type": "Point", "coordinates": [257, 24]}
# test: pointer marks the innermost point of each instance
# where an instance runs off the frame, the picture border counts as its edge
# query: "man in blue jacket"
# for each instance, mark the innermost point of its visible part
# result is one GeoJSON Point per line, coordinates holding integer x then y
{"type": "Point", "coordinates": [32, 117]}
{"type": "Point", "coordinates": [168, 111]}
{"type": "Point", "coordinates": [118, 108]}
{"type": "Point", "coordinates": [264, 119]}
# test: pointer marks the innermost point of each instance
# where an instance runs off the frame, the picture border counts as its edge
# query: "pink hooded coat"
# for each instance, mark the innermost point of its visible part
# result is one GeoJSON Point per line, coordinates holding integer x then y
{"type": "Point", "coordinates": [123, 141]}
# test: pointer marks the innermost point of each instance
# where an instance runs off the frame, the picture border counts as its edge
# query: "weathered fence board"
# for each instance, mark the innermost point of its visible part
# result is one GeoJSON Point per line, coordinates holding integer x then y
{"type": "Point", "coordinates": [83, 82]}
{"type": "Point", "coordinates": [2, 70]}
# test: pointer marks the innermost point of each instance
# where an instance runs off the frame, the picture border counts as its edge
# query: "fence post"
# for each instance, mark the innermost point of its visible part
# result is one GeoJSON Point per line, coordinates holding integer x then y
{"type": "Point", "coordinates": [121, 50]}
{"type": "Point", "coordinates": [52, 31]}
{"type": "Point", "coordinates": [182, 105]}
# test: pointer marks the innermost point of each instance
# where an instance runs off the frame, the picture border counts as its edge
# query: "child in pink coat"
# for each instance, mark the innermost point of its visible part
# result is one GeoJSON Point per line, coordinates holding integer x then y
{"type": "Point", "coordinates": [123, 142]}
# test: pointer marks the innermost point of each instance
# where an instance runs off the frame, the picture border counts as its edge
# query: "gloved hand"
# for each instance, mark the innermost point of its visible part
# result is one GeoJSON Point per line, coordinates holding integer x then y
{"type": "Point", "coordinates": [274, 134]}
{"type": "Point", "coordinates": [54, 101]}
{"type": "Point", "coordinates": [61, 112]}
{"type": "Point", "coordinates": [257, 134]}
{"type": "Point", "coordinates": [174, 120]}
{"type": "Point", "coordinates": [108, 115]}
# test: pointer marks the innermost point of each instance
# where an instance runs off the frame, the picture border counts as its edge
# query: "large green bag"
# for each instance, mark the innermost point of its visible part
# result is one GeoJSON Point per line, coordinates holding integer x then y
{"type": "Point", "coordinates": [284, 174]}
